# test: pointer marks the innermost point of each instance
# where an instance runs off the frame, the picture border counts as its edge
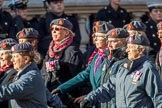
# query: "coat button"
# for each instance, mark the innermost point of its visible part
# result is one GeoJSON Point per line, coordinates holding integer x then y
{"type": "Point", "coordinates": [153, 35]}
{"type": "Point", "coordinates": [124, 21]}
{"type": "Point", "coordinates": [6, 23]}
{"type": "Point", "coordinates": [151, 27]}
{"type": "Point", "coordinates": [155, 44]}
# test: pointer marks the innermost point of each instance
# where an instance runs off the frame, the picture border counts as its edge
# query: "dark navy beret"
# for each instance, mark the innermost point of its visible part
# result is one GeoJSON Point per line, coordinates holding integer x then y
{"type": "Point", "coordinates": [62, 22]}
{"type": "Point", "coordinates": [102, 26]}
{"type": "Point", "coordinates": [22, 47]}
{"type": "Point", "coordinates": [6, 44]}
{"type": "Point", "coordinates": [117, 33]}
{"type": "Point", "coordinates": [136, 25]}
{"type": "Point", "coordinates": [19, 4]}
{"type": "Point", "coordinates": [138, 39]}
{"type": "Point", "coordinates": [27, 33]}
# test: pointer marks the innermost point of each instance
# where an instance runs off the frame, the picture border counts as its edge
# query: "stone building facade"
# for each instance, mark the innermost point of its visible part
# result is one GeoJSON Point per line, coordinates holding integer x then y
{"type": "Point", "coordinates": [85, 8]}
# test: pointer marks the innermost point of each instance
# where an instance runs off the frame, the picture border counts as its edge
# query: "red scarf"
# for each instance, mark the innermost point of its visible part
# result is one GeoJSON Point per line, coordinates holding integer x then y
{"type": "Point", "coordinates": [92, 56]}
{"type": "Point", "coordinates": [55, 48]}
{"type": "Point", "coordinates": [4, 68]}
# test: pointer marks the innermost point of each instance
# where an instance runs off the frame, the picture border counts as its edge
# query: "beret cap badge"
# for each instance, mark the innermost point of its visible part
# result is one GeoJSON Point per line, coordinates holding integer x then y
{"type": "Point", "coordinates": [13, 49]}
{"type": "Point", "coordinates": [60, 22]}
{"type": "Point", "coordinates": [130, 40]}
{"type": "Point", "coordinates": [96, 28]}
{"type": "Point", "coordinates": [113, 33]}
{"type": "Point", "coordinates": [130, 26]}
{"type": "Point", "coordinates": [160, 26]}
{"type": "Point", "coordinates": [97, 23]}
{"type": "Point", "coordinates": [21, 35]}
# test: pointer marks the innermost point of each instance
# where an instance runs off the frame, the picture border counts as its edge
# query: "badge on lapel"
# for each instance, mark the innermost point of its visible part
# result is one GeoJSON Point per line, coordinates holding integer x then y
{"type": "Point", "coordinates": [125, 65]}
{"type": "Point", "coordinates": [112, 68]}
{"type": "Point", "coordinates": [135, 76]}
{"type": "Point", "coordinates": [104, 67]}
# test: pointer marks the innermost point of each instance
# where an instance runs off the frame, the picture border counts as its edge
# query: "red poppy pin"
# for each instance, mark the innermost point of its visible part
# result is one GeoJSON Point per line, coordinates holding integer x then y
{"type": "Point", "coordinates": [97, 23]}
{"type": "Point", "coordinates": [95, 29]}
{"type": "Point", "coordinates": [160, 26]}
{"type": "Point", "coordinates": [130, 40]}
{"type": "Point", "coordinates": [21, 34]}
{"type": "Point", "coordinates": [61, 22]}
{"type": "Point", "coordinates": [130, 27]}
{"type": "Point", "coordinates": [13, 49]}
{"type": "Point", "coordinates": [113, 33]}
{"type": "Point", "coordinates": [3, 45]}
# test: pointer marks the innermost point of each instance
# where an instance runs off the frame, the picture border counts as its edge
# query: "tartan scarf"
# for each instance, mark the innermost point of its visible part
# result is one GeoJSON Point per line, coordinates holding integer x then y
{"type": "Point", "coordinates": [55, 48]}
{"type": "Point", "coordinates": [4, 68]}
{"type": "Point", "coordinates": [160, 56]}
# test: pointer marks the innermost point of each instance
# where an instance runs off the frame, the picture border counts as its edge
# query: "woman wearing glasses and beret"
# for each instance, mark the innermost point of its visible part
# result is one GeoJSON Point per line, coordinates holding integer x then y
{"type": "Point", "coordinates": [63, 60]}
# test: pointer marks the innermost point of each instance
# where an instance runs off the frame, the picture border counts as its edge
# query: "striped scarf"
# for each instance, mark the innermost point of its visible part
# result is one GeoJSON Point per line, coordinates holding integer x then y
{"type": "Point", "coordinates": [55, 48]}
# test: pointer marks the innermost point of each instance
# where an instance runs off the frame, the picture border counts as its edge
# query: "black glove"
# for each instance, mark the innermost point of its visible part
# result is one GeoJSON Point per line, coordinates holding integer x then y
{"type": "Point", "coordinates": [85, 104]}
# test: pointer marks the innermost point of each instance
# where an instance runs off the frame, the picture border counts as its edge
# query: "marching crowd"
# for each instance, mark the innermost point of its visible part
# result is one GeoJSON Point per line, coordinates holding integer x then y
{"type": "Point", "coordinates": [41, 65]}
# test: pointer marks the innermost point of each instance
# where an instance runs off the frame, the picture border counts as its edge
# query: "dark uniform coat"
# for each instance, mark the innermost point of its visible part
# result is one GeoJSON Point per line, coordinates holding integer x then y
{"type": "Point", "coordinates": [5, 24]}
{"type": "Point", "coordinates": [117, 18]}
{"type": "Point", "coordinates": [151, 32]}
{"type": "Point", "coordinates": [27, 90]}
{"type": "Point", "coordinates": [45, 31]}
{"type": "Point", "coordinates": [70, 64]}
{"type": "Point", "coordinates": [118, 54]}
{"type": "Point", "coordinates": [18, 24]}
{"type": "Point", "coordinates": [136, 85]}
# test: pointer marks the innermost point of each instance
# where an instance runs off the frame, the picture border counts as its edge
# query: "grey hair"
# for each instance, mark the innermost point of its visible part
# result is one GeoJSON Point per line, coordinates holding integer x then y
{"type": "Point", "coordinates": [34, 56]}
{"type": "Point", "coordinates": [147, 49]}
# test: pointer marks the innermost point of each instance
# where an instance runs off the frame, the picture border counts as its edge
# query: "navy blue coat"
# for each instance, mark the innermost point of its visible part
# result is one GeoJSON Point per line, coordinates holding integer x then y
{"type": "Point", "coordinates": [28, 91]}
{"type": "Point", "coordinates": [136, 85]}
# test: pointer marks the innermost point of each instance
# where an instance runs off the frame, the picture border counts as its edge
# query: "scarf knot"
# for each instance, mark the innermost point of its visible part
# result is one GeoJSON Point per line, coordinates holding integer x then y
{"type": "Point", "coordinates": [55, 48]}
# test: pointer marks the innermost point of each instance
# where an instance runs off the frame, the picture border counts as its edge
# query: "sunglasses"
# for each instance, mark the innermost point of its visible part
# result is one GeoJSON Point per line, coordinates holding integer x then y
{"type": "Point", "coordinates": [56, 29]}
